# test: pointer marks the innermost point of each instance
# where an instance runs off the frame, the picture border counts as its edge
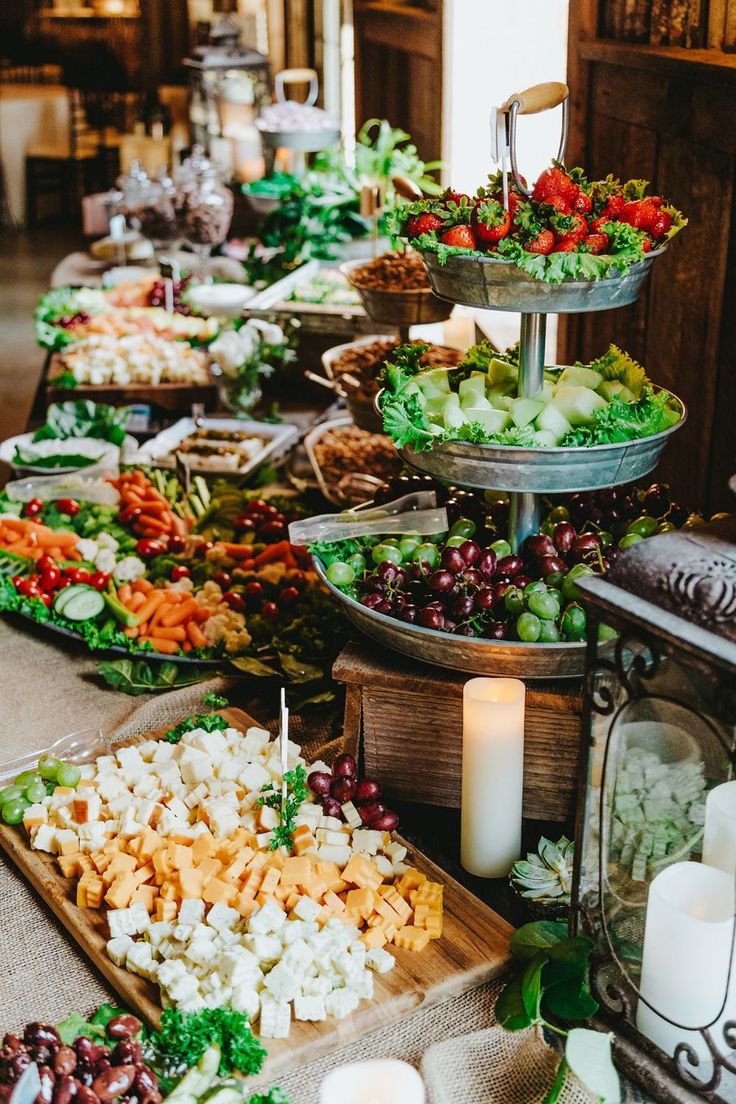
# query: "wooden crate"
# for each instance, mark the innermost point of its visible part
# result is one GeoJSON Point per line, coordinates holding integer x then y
{"type": "Point", "coordinates": [406, 719]}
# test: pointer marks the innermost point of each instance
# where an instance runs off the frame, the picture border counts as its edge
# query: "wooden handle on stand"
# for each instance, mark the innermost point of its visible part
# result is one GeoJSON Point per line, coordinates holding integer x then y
{"type": "Point", "coordinates": [540, 97]}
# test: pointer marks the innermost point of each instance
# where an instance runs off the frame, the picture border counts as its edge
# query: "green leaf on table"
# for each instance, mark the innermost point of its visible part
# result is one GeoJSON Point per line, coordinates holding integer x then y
{"type": "Point", "coordinates": [249, 665]}
{"type": "Point", "coordinates": [570, 1000]}
{"type": "Point", "coordinates": [531, 986]}
{"type": "Point", "coordinates": [588, 1054]}
{"type": "Point", "coordinates": [138, 677]}
{"type": "Point", "coordinates": [528, 940]}
{"type": "Point", "coordinates": [510, 1010]}
{"type": "Point", "coordinates": [568, 960]}
{"type": "Point", "coordinates": [320, 697]}
{"type": "Point", "coordinates": [75, 1025]}
{"type": "Point", "coordinates": [296, 670]}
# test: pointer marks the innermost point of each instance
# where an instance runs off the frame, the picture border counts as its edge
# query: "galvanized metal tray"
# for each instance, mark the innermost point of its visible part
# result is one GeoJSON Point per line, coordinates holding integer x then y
{"type": "Point", "coordinates": [461, 653]}
{"type": "Point", "coordinates": [494, 284]}
{"type": "Point", "coordinates": [408, 307]}
{"type": "Point", "coordinates": [543, 470]}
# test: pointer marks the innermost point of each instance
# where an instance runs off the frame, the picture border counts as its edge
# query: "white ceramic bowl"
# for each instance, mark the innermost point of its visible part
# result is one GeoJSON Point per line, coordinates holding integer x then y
{"type": "Point", "coordinates": [219, 300]}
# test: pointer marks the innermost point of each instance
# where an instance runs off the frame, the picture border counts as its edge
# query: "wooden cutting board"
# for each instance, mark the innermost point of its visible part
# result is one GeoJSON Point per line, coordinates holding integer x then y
{"type": "Point", "coordinates": [473, 949]}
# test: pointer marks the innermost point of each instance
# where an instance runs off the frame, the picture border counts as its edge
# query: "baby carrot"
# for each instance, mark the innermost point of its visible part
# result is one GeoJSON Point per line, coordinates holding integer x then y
{"type": "Point", "coordinates": [125, 593]}
{"type": "Point", "coordinates": [196, 636]}
{"type": "Point", "coordinates": [136, 601]}
{"type": "Point", "coordinates": [180, 613]}
{"type": "Point", "coordinates": [168, 647]}
{"type": "Point", "coordinates": [176, 633]}
{"type": "Point", "coordinates": [154, 600]}
{"type": "Point", "coordinates": [132, 632]}
{"type": "Point", "coordinates": [142, 585]}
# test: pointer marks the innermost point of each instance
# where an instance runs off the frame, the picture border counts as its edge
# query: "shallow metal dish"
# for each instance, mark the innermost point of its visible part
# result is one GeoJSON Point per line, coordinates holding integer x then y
{"type": "Point", "coordinates": [412, 307]}
{"type": "Point", "coordinates": [494, 284]}
{"type": "Point", "coordinates": [461, 653]}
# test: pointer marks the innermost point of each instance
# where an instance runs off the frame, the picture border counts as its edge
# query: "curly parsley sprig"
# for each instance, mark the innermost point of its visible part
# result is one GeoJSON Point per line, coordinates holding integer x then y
{"type": "Point", "coordinates": [296, 795]}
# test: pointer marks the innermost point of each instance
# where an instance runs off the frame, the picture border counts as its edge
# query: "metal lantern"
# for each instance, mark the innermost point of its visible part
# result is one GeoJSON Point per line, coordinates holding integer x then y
{"type": "Point", "coordinates": [228, 84]}
{"type": "Point", "coordinates": [656, 834]}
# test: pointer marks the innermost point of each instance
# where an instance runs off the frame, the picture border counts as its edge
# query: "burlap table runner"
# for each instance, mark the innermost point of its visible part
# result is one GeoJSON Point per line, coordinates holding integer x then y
{"type": "Point", "coordinates": [46, 692]}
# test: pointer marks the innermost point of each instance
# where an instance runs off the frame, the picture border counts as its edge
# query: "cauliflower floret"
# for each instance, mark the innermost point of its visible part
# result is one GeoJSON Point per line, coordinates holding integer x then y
{"type": "Point", "coordinates": [129, 569]}
{"type": "Point", "coordinates": [105, 560]}
{"type": "Point", "coordinates": [106, 541]}
{"type": "Point", "coordinates": [87, 549]}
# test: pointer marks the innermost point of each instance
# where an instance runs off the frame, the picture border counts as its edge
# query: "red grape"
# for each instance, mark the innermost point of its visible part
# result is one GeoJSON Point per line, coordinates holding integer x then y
{"type": "Point", "coordinates": [367, 790]}
{"type": "Point", "coordinates": [430, 618]}
{"type": "Point", "coordinates": [331, 807]}
{"type": "Point", "coordinates": [319, 782]}
{"type": "Point", "coordinates": [538, 545]}
{"type": "Point", "coordinates": [549, 565]}
{"type": "Point", "coordinates": [344, 767]}
{"type": "Point", "coordinates": [389, 822]}
{"type": "Point", "coordinates": [371, 811]}
{"type": "Point", "coordinates": [510, 565]}
{"type": "Point", "coordinates": [452, 560]}
{"type": "Point", "coordinates": [487, 562]}
{"type": "Point", "coordinates": [470, 552]}
{"type": "Point", "coordinates": [563, 536]}
{"type": "Point", "coordinates": [440, 581]}
{"type": "Point", "coordinates": [343, 789]}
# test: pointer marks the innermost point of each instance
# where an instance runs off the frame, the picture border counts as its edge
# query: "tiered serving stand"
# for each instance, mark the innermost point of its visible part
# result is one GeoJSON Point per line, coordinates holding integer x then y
{"type": "Point", "coordinates": [527, 474]}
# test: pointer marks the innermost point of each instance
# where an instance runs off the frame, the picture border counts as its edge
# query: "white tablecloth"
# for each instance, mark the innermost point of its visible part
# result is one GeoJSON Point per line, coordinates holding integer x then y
{"type": "Point", "coordinates": [29, 114]}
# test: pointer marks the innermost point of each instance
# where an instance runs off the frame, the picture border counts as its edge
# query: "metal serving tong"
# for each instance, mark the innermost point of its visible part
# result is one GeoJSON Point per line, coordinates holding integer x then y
{"type": "Point", "coordinates": [540, 97]}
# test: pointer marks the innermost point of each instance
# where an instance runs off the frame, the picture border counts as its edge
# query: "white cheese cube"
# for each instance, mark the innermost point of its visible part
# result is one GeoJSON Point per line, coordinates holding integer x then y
{"type": "Point", "coordinates": [309, 1008]}
{"type": "Point", "coordinates": [275, 1018]}
{"type": "Point", "coordinates": [198, 769]}
{"type": "Point", "coordinates": [139, 918]}
{"type": "Point", "coordinates": [367, 841]}
{"type": "Point", "coordinates": [158, 931]}
{"type": "Point", "coordinates": [171, 971]}
{"type": "Point", "coordinates": [130, 761]}
{"type": "Point", "coordinates": [266, 948]}
{"type": "Point", "coordinates": [139, 959]}
{"type": "Point", "coordinates": [291, 930]}
{"type": "Point", "coordinates": [264, 840]}
{"type": "Point", "coordinates": [183, 988]}
{"type": "Point", "coordinates": [201, 952]}
{"type": "Point", "coordinates": [118, 947]}
{"type": "Point", "coordinates": [316, 987]}
{"type": "Point", "coordinates": [395, 851]}
{"type": "Point", "coordinates": [66, 835]}
{"type": "Point", "coordinates": [254, 778]}
{"type": "Point", "coordinates": [383, 865]}
{"type": "Point", "coordinates": [307, 909]}
{"type": "Point", "coordinates": [191, 912]}
{"type": "Point", "coordinates": [213, 743]}
{"type": "Point", "coordinates": [297, 956]}
{"type": "Point", "coordinates": [341, 1002]}
{"type": "Point", "coordinates": [164, 751]}
{"type": "Point", "coordinates": [143, 810]}
{"type": "Point", "coordinates": [330, 822]}
{"type": "Point", "coordinates": [129, 827]}
{"type": "Point", "coordinates": [182, 933]}
{"type": "Point", "coordinates": [268, 919]}
{"type": "Point", "coordinates": [192, 1004]}
{"type": "Point", "coordinates": [268, 817]}
{"type": "Point", "coordinates": [362, 984]}
{"type": "Point", "coordinates": [351, 814]}
{"type": "Point", "coordinates": [255, 740]}
{"type": "Point", "coordinates": [110, 787]}
{"type": "Point", "coordinates": [282, 982]}
{"type": "Point", "coordinates": [330, 852]}
{"type": "Point", "coordinates": [379, 961]}
{"type": "Point", "coordinates": [246, 1000]}
{"type": "Point", "coordinates": [329, 835]}
{"type": "Point", "coordinates": [221, 917]}
{"type": "Point", "coordinates": [43, 838]}
{"type": "Point", "coordinates": [224, 822]}
{"type": "Point", "coordinates": [238, 968]}
{"type": "Point", "coordinates": [170, 825]}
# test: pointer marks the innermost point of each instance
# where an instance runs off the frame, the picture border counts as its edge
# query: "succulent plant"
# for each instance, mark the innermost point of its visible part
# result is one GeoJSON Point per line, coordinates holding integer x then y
{"type": "Point", "coordinates": [545, 877]}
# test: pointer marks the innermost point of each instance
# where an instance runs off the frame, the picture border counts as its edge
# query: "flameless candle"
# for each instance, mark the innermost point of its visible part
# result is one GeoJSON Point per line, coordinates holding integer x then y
{"type": "Point", "coordinates": [382, 1081]}
{"type": "Point", "coordinates": [686, 956]}
{"type": "Point", "coordinates": [719, 843]}
{"type": "Point", "coordinates": [493, 775]}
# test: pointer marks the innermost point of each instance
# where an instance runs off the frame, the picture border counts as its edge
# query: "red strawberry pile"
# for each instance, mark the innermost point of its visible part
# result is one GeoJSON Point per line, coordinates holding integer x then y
{"type": "Point", "coordinates": [601, 224]}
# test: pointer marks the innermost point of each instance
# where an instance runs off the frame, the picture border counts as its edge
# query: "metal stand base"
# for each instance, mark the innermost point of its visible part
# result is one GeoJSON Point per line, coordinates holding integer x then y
{"type": "Point", "coordinates": [525, 513]}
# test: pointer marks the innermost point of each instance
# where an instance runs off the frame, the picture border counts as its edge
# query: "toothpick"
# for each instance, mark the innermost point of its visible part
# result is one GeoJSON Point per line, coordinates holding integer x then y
{"type": "Point", "coordinates": [284, 744]}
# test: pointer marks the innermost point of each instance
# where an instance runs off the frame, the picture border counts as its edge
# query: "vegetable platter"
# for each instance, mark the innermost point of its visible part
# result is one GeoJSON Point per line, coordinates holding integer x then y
{"type": "Point", "coordinates": [75, 436]}
{"type": "Point", "coordinates": [586, 427]}
{"type": "Point", "coordinates": [375, 966]}
{"type": "Point", "coordinates": [157, 574]}
{"type": "Point", "coordinates": [233, 446]}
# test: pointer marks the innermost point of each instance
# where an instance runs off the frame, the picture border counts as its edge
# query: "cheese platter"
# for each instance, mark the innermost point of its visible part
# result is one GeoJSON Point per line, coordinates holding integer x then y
{"type": "Point", "coordinates": [472, 948]}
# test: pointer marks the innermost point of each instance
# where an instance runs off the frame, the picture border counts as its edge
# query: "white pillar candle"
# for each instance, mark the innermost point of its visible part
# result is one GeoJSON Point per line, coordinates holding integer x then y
{"type": "Point", "coordinates": [687, 950]}
{"type": "Point", "coordinates": [719, 842]}
{"type": "Point", "coordinates": [493, 775]}
{"type": "Point", "coordinates": [382, 1081]}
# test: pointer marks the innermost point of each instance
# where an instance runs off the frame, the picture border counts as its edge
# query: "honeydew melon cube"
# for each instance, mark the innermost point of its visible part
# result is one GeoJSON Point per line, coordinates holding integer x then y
{"type": "Point", "coordinates": [554, 421]}
{"type": "Point", "coordinates": [545, 393]}
{"type": "Point", "coordinates": [577, 404]}
{"type": "Point", "coordinates": [504, 402]}
{"type": "Point", "coordinates": [471, 398]}
{"type": "Point", "coordinates": [499, 371]}
{"type": "Point", "coordinates": [493, 421]}
{"type": "Point", "coordinates": [615, 389]}
{"type": "Point", "coordinates": [434, 407]}
{"type": "Point", "coordinates": [413, 388]}
{"type": "Point", "coordinates": [475, 384]}
{"type": "Point", "coordinates": [545, 438]}
{"type": "Point", "coordinates": [510, 387]}
{"type": "Point", "coordinates": [434, 383]}
{"type": "Point", "coordinates": [577, 375]}
{"type": "Point", "coordinates": [452, 412]}
{"type": "Point", "coordinates": [524, 411]}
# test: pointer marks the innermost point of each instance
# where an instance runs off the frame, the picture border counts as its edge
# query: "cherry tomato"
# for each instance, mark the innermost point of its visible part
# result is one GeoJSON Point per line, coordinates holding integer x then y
{"type": "Point", "coordinates": [244, 524]}
{"type": "Point", "coordinates": [33, 507]}
{"type": "Point", "coordinates": [287, 597]}
{"type": "Point", "coordinates": [46, 599]}
{"type": "Point", "coordinates": [253, 591]}
{"type": "Point", "coordinates": [176, 544]}
{"type": "Point", "coordinates": [203, 548]}
{"type": "Point", "coordinates": [100, 580]}
{"type": "Point", "coordinates": [223, 579]}
{"type": "Point", "coordinates": [272, 531]}
{"type": "Point", "coordinates": [150, 547]}
{"type": "Point", "coordinates": [68, 506]}
{"type": "Point", "coordinates": [130, 514]}
{"type": "Point", "coordinates": [16, 580]}
{"type": "Point", "coordinates": [258, 506]}
{"type": "Point", "coordinates": [269, 611]}
{"type": "Point", "coordinates": [45, 563]}
{"type": "Point", "coordinates": [50, 577]}
{"type": "Point", "coordinates": [297, 579]}
{"type": "Point", "coordinates": [78, 574]}
{"type": "Point", "coordinates": [181, 571]}
{"type": "Point", "coordinates": [28, 588]}
{"type": "Point", "coordinates": [64, 581]}
{"type": "Point", "coordinates": [234, 600]}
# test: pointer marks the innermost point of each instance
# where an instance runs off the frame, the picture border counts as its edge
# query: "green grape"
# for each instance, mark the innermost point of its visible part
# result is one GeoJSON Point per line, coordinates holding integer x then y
{"type": "Point", "coordinates": [384, 551]}
{"type": "Point", "coordinates": [630, 540]}
{"type": "Point", "coordinates": [555, 579]}
{"type": "Point", "coordinates": [35, 792]}
{"type": "Point", "coordinates": [426, 553]}
{"type": "Point", "coordinates": [455, 542]}
{"type": "Point", "coordinates": [68, 774]}
{"type": "Point", "coordinates": [408, 545]}
{"type": "Point", "coordinates": [666, 527]}
{"type": "Point", "coordinates": [12, 811]}
{"type": "Point", "coordinates": [48, 765]}
{"type": "Point", "coordinates": [341, 574]}
{"type": "Point", "coordinates": [464, 528]}
{"type": "Point", "coordinates": [27, 778]}
{"type": "Point", "coordinates": [605, 632]}
{"type": "Point", "coordinates": [573, 623]}
{"type": "Point", "coordinates": [569, 590]}
{"type": "Point", "coordinates": [534, 588]}
{"type": "Point", "coordinates": [549, 634]}
{"type": "Point", "coordinates": [357, 562]}
{"type": "Point", "coordinates": [643, 526]}
{"type": "Point", "coordinates": [560, 513]}
{"type": "Point", "coordinates": [10, 793]}
{"type": "Point", "coordinates": [606, 538]}
{"type": "Point", "coordinates": [393, 541]}
{"type": "Point", "coordinates": [514, 600]}
{"type": "Point", "coordinates": [501, 548]}
{"type": "Point", "coordinates": [529, 628]}
{"type": "Point", "coordinates": [545, 604]}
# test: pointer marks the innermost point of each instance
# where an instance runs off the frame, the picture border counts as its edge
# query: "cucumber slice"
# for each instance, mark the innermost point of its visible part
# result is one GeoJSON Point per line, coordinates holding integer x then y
{"type": "Point", "coordinates": [84, 606]}
{"type": "Point", "coordinates": [63, 596]}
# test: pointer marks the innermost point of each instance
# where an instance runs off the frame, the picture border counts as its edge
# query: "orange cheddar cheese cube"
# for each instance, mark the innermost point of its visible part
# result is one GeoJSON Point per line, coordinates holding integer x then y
{"type": "Point", "coordinates": [100, 860]}
{"type": "Point", "coordinates": [218, 892]}
{"type": "Point", "coordinates": [144, 873]}
{"type": "Point", "coordinates": [71, 865]}
{"type": "Point", "coordinates": [374, 937]}
{"type": "Point", "coordinates": [210, 868]}
{"type": "Point", "coordinates": [270, 881]}
{"type": "Point", "coordinates": [147, 895]}
{"type": "Point", "coordinates": [362, 873]}
{"type": "Point", "coordinates": [190, 883]}
{"type": "Point", "coordinates": [361, 901]}
{"type": "Point", "coordinates": [303, 840]}
{"type": "Point", "coordinates": [410, 880]}
{"type": "Point", "coordinates": [121, 864]}
{"type": "Point", "coordinates": [150, 842]}
{"type": "Point", "coordinates": [434, 925]}
{"type": "Point", "coordinates": [203, 847]}
{"type": "Point", "coordinates": [166, 910]}
{"type": "Point", "coordinates": [333, 903]}
{"type": "Point", "coordinates": [121, 890]}
{"type": "Point", "coordinates": [245, 904]}
{"type": "Point", "coordinates": [297, 871]}
{"type": "Point", "coordinates": [412, 938]}
{"type": "Point", "coordinates": [397, 903]}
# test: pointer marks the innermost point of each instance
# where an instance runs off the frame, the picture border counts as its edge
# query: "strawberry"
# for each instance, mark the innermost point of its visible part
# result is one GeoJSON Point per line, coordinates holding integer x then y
{"type": "Point", "coordinates": [542, 243]}
{"type": "Point", "coordinates": [555, 181]}
{"type": "Point", "coordinates": [646, 245]}
{"type": "Point", "coordinates": [455, 197]}
{"type": "Point", "coordinates": [424, 224]}
{"type": "Point", "coordinates": [583, 204]}
{"type": "Point", "coordinates": [660, 226]}
{"type": "Point", "coordinates": [491, 221]}
{"type": "Point", "coordinates": [595, 225]}
{"type": "Point", "coordinates": [569, 228]}
{"type": "Point", "coordinates": [656, 200]}
{"type": "Point", "coordinates": [558, 204]}
{"type": "Point", "coordinates": [567, 245]}
{"type": "Point", "coordinates": [460, 236]}
{"type": "Point", "coordinates": [614, 207]}
{"type": "Point", "coordinates": [639, 213]}
{"type": "Point", "coordinates": [596, 243]}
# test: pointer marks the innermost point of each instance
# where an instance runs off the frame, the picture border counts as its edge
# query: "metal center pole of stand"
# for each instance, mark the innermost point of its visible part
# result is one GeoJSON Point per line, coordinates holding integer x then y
{"type": "Point", "coordinates": [525, 514]}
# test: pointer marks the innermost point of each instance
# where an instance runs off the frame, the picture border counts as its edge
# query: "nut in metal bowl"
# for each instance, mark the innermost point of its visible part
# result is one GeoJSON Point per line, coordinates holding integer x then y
{"type": "Point", "coordinates": [410, 307]}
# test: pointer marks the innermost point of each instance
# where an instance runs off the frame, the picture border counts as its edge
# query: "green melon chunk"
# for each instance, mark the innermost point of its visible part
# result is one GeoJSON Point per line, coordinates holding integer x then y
{"type": "Point", "coordinates": [580, 376]}
{"type": "Point", "coordinates": [577, 404]}
{"type": "Point", "coordinates": [452, 412]}
{"type": "Point", "coordinates": [553, 420]}
{"type": "Point", "coordinates": [615, 389]}
{"type": "Point", "coordinates": [499, 371]}
{"type": "Point", "coordinates": [545, 438]}
{"type": "Point", "coordinates": [434, 382]}
{"type": "Point", "coordinates": [474, 385]}
{"type": "Point", "coordinates": [471, 398]}
{"type": "Point", "coordinates": [493, 421]}
{"type": "Point", "coordinates": [524, 411]}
